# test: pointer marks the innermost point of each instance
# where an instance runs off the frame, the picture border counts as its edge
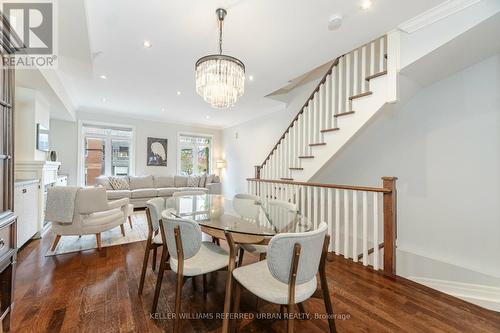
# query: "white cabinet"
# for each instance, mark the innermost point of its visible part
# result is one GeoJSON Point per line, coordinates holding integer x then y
{"type": "Point", "coordinates": [26, 197]}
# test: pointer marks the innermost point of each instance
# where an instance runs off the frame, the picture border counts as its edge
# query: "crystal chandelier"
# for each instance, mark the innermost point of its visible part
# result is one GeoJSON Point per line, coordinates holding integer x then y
{"type": "Point", "coordinates": [220, 79]}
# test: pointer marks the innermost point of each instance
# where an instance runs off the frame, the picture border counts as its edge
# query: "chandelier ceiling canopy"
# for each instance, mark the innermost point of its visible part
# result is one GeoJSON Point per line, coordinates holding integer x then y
{"type": "Point", "coordinates": [220, 78]}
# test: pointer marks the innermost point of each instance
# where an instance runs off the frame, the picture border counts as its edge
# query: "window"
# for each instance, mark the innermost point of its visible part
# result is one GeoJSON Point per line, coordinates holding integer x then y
{"type": "Point", "coordinates": [106, 151]}
{"type": "Point", "coordinates": [195, 154]}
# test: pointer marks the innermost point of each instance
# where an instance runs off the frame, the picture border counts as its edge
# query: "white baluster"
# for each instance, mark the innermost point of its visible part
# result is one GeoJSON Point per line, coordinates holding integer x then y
{"type": "Point", "coordinates": [348, 82]}
{"type": "Point", "coordinates": [328, 102]}
{"type": "Point", "coordinates": [363, 69]}
{"type": "Point", "coordinates": [310, 210]}
{"type": "Point", "coordinates": [381, 55]}
{"type": "Point", "coordinates": [375, 231]}
{"type": "Point", "coordinates": [337, 221]}
{"type": "Point", "coordinates": [385, 52]}
{"type": "Point", "coordinates": [346, 224]}
{"type": "Point", "coordinates": [372, 58]}
{"type": "Point", "coordinates": [333, 101]}
{"type": "Point", "coordinates": [355, 72]}
{"type": "Point", "coordinates": [322, 110]}
{"type": "Point", "coordinates": [303, 200]}
{"type": "Point", "coordinates": [355, 226]}
{"type": "Point", "coordinates": [340, 97]}
{"type": "Point", "coordinates": [315, 206]}
{"type": "Point", "coordinates": [322, 204]}
{"type": "Point", "coordinates": [330, 218]}
{"type": "Point", "coordinates": [248, 187]}
{"type": "Point", "coordinates": [307, 129]}
{"type": "Point", "coordinates": [365, 228]}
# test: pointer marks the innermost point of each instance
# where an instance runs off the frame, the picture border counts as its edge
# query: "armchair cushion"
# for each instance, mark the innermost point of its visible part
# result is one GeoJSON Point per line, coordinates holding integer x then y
{"type": "Point", "coordinates": [118, 203]}
{"type": "Point", "coordinates": [259, 281]}
{"type": "Point", "coordinates": [91, 200]}
{"type": "Point", "coordinates": [103, 218]}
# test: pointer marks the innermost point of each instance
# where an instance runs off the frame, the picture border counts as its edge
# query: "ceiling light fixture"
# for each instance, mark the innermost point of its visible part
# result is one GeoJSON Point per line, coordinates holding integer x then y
{"type": "Point", "coordinates": [334, 22]}
{"type": "Point", "coordinates": [178, 93]}
{"type": "Point", "coordinates": [104, 100]}
{"type": "Point", "coordinates": [220, 79]}
{"type": "Point", "coordinates": [366, 4]}
{"type": "Point", "coordinates": [208, 117]}
{"type": "Point", "coordinates": [250, 77]}
{"type": "Point", "coordinates": [104, 77]}
{"type": "Point", "coordinates": [147, 44]}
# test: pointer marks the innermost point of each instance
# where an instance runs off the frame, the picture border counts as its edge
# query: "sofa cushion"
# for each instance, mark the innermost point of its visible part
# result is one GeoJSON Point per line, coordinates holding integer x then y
{"type": "Point", "coordinates": [193, 181]}
{"type": "Point", "coordinates": [104, 182]}
{"type": "Point", "coordinates": [184, 189]}
{"type": "Point", "coordinates": [118, 194]}
{"type": "Point", "coordinates": [144, 193]}
{"type": "Point", "coordinates": [180, 181]}
{"type": "Point", "coordinates": [164, 181]}
{"type": "Point", "coordinates": [139, 182]}
{"type": "Point", "coordinates": [167, 191]}
{"type": "Point", "coordinates": [119, 183]}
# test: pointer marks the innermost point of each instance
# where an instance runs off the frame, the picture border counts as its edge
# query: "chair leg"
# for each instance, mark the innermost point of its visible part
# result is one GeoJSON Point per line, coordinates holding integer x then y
{"type": "Point", "coordinates": [130, 221]}
{"type": "Point", "coordinates": [205, 285]}
{"type": "Point", "coordinates": [144, 267]}
{"type": "Point", "coordinates": [289, 322]}
{"type": "Point", "coordinates": [262, 256]}
{"type": "Point", "coordinates": [159, 279]}
{"type": "Point", "coordinates": [122, 227]}
{"type": "Point", "coordinates": [98, 240]}
{"type": "Point", "coordinates": [153, 264]}
{"type": "Point", "coordinates": [301, 307]}
{"type": "Point", "coordinates": [328, 302]}
{"type": "Point", "coordinates": [235, 325]}
{"type": "Point", "coordinates": [178, 296]}
{"type": "Point", "coordinates": [56, 241]}
{"type": "Point", "coordinates": [240, 257]}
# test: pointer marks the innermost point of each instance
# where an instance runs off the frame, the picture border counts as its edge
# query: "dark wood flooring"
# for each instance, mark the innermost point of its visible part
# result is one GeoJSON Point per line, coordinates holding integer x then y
{"type": "Point", "coordinates": [95, 291]}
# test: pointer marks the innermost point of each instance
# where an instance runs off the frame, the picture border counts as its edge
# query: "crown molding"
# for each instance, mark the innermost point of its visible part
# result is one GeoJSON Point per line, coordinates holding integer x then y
{"type": "Point", "coordinates": [435, 14]}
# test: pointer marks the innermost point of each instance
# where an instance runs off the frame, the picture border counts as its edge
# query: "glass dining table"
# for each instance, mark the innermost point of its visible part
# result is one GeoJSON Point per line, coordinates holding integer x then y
{"type": "Point", "coordinates": [218, 218]}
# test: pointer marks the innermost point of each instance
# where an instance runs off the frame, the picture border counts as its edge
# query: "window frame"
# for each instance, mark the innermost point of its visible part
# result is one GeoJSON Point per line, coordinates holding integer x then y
{"type": "Point", "coordinates": [195, 134]}
{"type": "Point", "coordinates": [81, 146]}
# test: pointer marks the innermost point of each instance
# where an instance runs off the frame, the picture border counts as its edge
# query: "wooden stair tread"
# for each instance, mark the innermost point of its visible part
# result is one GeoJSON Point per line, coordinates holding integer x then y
{"type": "Point", "coordinates": [368, 78]}
{"type": "Point", "coordinates": [368, 93]}
{"type": "Point", "coordinates": [296, 168]}
{"type": "Point", "coordinates": [343, 114]}
{"type": "Point", "coordinates": [330, 130]}
{"type": "Point", "coordinates": [306, 156]}
{"type": "Point", "coordinates": [290, 179]}
{"type": "Point", "coordinates": [317, 144]}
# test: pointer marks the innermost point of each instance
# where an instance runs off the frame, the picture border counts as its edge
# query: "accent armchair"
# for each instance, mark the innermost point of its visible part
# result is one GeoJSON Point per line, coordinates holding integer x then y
{"type": "Point", "coordinates": [93, 214]}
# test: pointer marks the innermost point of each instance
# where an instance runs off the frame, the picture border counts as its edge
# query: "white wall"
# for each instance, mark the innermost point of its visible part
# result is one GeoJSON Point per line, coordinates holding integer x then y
{"type": "Point", "coordinates": [31, 109]}
{"type": "Point", "coordinates": [64, 136]}
{"type": "Point", "coordinates": [255, 139]}
{"type": "Point", "coordinates": [444, 145]}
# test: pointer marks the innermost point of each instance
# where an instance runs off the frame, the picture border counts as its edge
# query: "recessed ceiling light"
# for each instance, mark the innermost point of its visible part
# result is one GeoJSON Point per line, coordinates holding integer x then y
{"type": "Point", "coordinates": [366, 4]}
{"type": "Point", "coordinates": [178, 92]}
{"type": "Point", "coordinates": [334, 22]}
{"type": "Point", "coordinates": [208, 117]}
{"type": "Point", "coordinates": [147, 44]}
{"type": "Point", "coordinates": [104, 100]}
{"type": "Point", "coordinates": [163, 108]}
{"type": "Point", "coordinates": [250, 77]}
{"type": "Point", "coordinates": [104, 77]}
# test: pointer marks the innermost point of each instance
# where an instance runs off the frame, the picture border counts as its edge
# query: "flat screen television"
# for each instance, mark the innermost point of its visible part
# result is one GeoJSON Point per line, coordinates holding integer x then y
{"type": "Point", "coordinates": [42, 138]}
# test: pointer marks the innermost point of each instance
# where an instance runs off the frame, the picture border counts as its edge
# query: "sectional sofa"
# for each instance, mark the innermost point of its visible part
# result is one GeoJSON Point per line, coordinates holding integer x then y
{"type": "Point", "coordinates": [142, 188]}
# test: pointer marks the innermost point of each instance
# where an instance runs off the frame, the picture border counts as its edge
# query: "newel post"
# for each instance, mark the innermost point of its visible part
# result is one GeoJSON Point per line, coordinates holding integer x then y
{"type": "Point", "coordinates": [390, 225]}
{"type": "Point", "coordinates": [257, 172]}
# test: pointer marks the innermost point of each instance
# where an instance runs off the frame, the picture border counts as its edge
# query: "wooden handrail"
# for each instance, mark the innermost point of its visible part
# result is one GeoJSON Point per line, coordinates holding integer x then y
{"type": "Point", "coordinates": [335, 63]}
{"type": "Point", "coordinates": [336, 186]}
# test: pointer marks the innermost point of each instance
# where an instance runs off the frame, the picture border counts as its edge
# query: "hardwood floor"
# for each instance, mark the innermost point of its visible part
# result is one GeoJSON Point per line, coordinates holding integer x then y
{"type": "Point", "coordinates": [96, 291]}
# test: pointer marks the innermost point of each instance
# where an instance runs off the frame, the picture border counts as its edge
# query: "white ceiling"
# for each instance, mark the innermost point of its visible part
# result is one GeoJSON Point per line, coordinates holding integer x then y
{"type": "Point", "coordinates": [277, 40]}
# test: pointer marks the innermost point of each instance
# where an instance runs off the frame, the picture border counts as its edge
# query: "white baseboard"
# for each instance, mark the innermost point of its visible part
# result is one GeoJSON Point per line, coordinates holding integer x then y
{"type": "Point", "coordinates": [475, 287]}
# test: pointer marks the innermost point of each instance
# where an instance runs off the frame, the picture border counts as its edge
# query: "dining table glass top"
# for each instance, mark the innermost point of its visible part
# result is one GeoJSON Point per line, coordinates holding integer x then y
{"type": "Point", "coordinates": [214, 211]}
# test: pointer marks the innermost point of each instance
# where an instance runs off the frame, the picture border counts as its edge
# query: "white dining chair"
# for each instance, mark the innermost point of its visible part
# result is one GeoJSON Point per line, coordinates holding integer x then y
{"type": "Point", "coordinates": [260, 249]}
{"type": "Point", "coordinates": [189, 257]}
{"type": "Point", "coordinates": [185, 193]}
{"type": "Point", "coordinates": [247, 206]}
{"type": "Point", "coordinates": [288, 275]}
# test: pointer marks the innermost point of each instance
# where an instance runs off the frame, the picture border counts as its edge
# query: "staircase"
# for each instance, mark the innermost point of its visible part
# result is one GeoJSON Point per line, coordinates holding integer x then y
{"type": "Point", "coordinates": [357, 85]}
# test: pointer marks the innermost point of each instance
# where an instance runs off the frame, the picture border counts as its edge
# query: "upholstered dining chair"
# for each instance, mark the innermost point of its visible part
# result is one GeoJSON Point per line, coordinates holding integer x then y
{"type": "Point", "coordinates": [288, 275]}
{"type": "Point", "coordinates": [189, 257]}
{"type": "Point", "coordinates": [154, 208]}
{"type": "Point", "coordinates": [89, 210]}
{"type": "Point", "coordinates": [184, 193]}
{"type": "Point", "coordinates": [259, 249]}
{"type": "Point", "coordinates": [247, 206]}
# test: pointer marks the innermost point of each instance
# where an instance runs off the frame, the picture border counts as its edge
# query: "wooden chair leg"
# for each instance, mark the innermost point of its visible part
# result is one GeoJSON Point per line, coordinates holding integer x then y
{"type": "Point", "coordinates": [193, 282]}
{"type": "Point", "coordinates": [262, 256]}
{"type": "Point", "coordinates": [328, 302]}
{"type": "Point", "coordinates": [56, 241]}
{"type": "Point", "coordinates": [144, 267]}
{"type": "Point", "coordinates": [290, 322]}
{"type": "Point", "coordinates": [98, 240]}
{"type": "Point", "coordinates": [122, 228]}
{"type": "Point", "coordinates": [153, 264]}
{"type": "Point", "coordinates": [159, 279]}
{"type": "Point", "coordinates": [240, 257]}
{"type": "Point", "coordinates": [178, 296]}
{"type": "Point", "coordinates": [301, 307]}
{"type": "Point", "coordinates": [130, 221]}
{"type": "Point", "coordinates": [236, 307]}
{"type": "Point", "coordinates": [204, 284]}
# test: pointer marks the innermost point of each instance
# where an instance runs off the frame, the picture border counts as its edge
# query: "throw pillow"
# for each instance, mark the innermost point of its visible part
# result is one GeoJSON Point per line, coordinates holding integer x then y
{"type": "Point", "coordinates": [216, 179]}
{"type": "Point", "coordinates": [193, 181]}
{"type": "Point", "coordinates": [203, 180]}
{"type": "Point", "coordinates": [119, 183]}
{"type": "Point", "coordinates": [210, 179]}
